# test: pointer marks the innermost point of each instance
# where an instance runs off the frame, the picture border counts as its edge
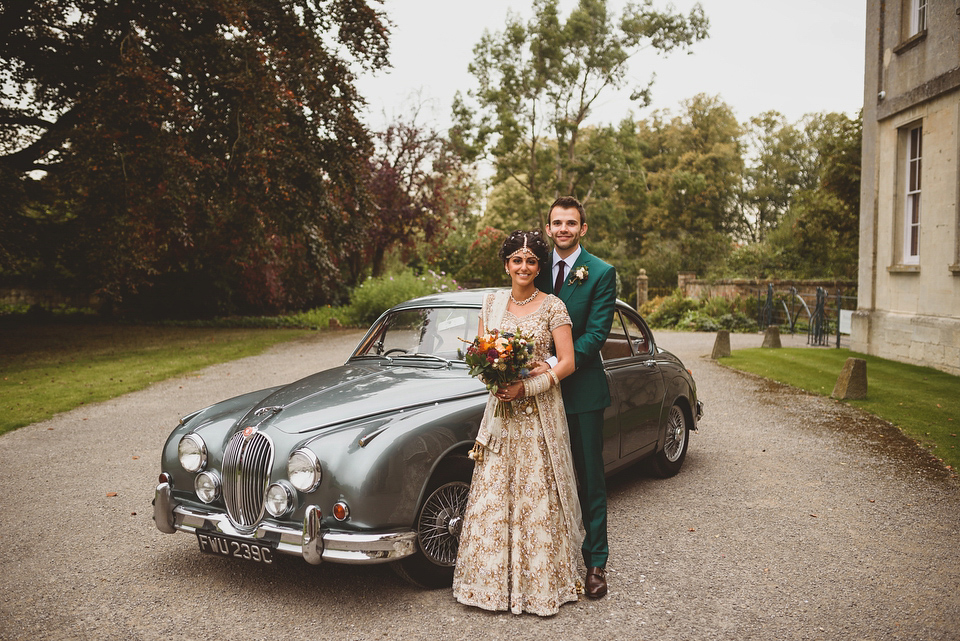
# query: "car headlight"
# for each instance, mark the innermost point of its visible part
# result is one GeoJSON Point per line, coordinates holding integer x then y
{"type": "Point", "coordinates": [279, 499]}
{"type": "Point", "coordinates": [192, 452]}
{"type": "Point", "coordinates": [303, 470]}
{"type": "Point", "coordinates": [207, 486]}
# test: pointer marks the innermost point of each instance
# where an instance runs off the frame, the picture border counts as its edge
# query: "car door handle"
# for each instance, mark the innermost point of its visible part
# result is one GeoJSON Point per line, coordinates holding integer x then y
{"type": "Point", "coordinates": [650, 363]}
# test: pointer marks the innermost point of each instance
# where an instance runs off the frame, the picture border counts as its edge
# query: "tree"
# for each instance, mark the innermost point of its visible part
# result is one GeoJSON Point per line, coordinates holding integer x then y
{"type": "Point", "coordinates": [420, 188]}
{"type": "Point", "coordinates": [538, 82]}
{"type": "Point", "coordinates": [804, 191]}
{"type": "Point", "coordinates": [778, 169]}
{"type": "Point", "coordinates": [214, 143]}
{"type": "Point", "coordinates": [693, 169]}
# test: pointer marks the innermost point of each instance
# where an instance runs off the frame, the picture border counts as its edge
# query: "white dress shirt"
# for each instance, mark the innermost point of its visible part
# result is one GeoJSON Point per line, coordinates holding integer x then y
{"type": "Point", "coordinates": [568, 263]}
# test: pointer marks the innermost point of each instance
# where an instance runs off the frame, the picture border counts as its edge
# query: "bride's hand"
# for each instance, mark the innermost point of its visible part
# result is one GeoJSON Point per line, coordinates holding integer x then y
{"type": "Point", "coordinates": [539, 367]}
{"type": "Point", "coordinates": [511, 392]}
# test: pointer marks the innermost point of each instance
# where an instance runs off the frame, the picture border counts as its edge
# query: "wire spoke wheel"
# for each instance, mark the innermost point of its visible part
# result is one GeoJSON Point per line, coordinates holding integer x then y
{"type": "Point", "coordinates": [676, 435]}
{"type": "Point", "coordinates": [441, 519]}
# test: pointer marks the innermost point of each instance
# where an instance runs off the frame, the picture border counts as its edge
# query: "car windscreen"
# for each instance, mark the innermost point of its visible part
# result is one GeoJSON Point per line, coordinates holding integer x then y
{"type": "Point", "coordinates": [434, 331]}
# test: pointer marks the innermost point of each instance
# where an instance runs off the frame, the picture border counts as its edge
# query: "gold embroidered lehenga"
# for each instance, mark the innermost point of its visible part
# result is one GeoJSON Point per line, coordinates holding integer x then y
{"type": "Point", "coordinates": [520, 544]}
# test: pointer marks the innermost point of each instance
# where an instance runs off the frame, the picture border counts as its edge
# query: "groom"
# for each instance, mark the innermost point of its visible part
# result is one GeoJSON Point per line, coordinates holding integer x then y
{"type": "Point", "coordinates": [588, 287]}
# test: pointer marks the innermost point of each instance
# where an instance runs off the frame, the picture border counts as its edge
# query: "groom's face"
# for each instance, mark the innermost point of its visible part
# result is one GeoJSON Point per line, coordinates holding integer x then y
{"type": "Point", "coordinates": [565, 228]}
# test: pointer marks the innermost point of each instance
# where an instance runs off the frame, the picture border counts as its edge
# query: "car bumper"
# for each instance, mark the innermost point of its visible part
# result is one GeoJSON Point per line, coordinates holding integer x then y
{"type": "Point", "coordinates": [309, 542]}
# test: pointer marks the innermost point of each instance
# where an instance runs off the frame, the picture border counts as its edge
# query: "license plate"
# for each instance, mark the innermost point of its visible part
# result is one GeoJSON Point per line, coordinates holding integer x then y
{"type": "Point", "coordinates": [223, 546]}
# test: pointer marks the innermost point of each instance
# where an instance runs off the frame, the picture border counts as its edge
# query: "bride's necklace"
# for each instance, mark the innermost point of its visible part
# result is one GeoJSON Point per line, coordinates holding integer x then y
{"type": "Point", "coordinates": [523, 302]}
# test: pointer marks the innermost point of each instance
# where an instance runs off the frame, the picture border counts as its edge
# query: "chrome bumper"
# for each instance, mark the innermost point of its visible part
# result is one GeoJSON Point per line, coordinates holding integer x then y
{"type": "Point", "coordinates": [309, 542]}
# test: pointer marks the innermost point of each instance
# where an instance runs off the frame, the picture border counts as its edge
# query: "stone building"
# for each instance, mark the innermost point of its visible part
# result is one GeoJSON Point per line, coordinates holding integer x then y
{"type": "Point", "coordinates": [909, 270]}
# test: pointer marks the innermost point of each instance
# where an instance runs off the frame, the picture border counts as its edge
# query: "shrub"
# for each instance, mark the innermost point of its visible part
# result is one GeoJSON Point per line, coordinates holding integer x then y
{"type": "Point", "coordinates": [698, 321]}
{"type": "Point", "coordinates": [671, 310]}
{"type": "Point", "coordinates": [376, 295]}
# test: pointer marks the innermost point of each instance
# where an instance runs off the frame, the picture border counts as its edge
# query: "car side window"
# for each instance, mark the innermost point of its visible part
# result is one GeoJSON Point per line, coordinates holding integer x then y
{"type": "Point", "coordinates": [617, 344]}
{"type": "Point", "coordinates": [639, 336]}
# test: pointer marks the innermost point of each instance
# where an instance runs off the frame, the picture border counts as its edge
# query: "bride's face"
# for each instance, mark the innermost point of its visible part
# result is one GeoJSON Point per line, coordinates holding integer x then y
{"type": "Point", "coordinates": [523, 268]}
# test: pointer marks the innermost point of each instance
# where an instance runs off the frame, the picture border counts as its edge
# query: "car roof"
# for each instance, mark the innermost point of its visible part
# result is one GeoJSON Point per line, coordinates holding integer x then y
{"type": "Point", "coordinates": [460, 298]}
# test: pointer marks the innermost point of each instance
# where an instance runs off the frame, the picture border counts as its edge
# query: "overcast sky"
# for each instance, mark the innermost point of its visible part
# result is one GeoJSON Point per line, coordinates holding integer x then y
{"type": "Point", "coordinates": [761, 55]}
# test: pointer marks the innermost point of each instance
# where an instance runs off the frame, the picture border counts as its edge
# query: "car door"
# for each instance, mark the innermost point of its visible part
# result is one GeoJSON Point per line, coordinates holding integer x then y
{"type": "Point", "coordinates": [634, 373]}
{"type": "Point", "coordinates": [616, 354]}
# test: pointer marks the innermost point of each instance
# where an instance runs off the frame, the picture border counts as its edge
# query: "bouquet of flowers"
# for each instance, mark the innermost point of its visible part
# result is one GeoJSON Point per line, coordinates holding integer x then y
{"type": "Point", "coordinates": [499, 359]}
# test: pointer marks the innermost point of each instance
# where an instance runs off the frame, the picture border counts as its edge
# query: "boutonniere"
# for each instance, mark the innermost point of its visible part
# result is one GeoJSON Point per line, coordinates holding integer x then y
{"type": "Point", "coordinates": [579, 275]}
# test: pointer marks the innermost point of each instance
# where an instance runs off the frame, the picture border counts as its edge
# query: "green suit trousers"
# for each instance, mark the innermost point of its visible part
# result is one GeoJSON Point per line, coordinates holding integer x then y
{"type": "Point", "coordinates": [586, 429]}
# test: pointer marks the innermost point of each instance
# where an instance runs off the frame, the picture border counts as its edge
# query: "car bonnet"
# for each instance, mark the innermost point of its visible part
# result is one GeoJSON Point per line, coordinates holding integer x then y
{"type": "Point", "coordinates": [351, 393]}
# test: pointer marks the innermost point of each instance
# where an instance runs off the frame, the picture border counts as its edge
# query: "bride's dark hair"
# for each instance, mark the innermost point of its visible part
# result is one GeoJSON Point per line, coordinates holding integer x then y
{"type": "Point", "coordinates": [535, 243]}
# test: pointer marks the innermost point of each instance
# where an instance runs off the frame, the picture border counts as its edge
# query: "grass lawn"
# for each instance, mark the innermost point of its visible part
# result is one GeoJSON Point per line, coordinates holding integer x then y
{"type": "Point", "coordinates": [923, 402]}
{"type": "Point", "coordinates": [51, 368]}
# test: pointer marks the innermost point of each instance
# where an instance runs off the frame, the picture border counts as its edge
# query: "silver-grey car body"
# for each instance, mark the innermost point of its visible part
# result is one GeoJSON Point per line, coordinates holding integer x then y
{"type": "Point", "coordinates": [367, 462]}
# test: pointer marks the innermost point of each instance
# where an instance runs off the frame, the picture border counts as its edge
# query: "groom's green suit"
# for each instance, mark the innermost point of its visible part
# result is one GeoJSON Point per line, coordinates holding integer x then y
{"type": "Point", "coordinates": [591, 304]}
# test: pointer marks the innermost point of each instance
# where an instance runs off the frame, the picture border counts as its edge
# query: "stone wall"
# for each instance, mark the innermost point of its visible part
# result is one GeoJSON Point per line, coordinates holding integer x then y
{"type": "Point", "coordinates": [920, 340]}
{"type": "Point", "coordinates": [749, 288]}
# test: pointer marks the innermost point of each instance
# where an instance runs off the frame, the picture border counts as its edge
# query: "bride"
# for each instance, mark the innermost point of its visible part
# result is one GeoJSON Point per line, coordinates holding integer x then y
{"type": "Point", "coordinates": [520, 544]}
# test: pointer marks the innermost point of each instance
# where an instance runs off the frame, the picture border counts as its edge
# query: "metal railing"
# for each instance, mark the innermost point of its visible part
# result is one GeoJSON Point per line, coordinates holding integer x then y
{"type": "Point", "coordinates": [819, 316]}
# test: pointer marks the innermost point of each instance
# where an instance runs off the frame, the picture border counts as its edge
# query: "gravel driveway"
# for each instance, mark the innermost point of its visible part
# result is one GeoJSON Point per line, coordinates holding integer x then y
{"type": "Point", "coordinates": [794, 517]}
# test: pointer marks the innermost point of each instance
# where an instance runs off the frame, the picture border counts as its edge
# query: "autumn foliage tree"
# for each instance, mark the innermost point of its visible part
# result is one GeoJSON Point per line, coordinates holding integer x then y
{"type": "Point", "coordinates": [419, 187]}
{"type": "Point", "coordinates": [156, 147]}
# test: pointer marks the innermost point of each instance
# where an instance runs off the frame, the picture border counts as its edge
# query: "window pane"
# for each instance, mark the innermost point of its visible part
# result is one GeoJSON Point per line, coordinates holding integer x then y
{"type": "Point", "coordinates": [638, 336]}
{"type": "Point", "coordinates": [616, 345]}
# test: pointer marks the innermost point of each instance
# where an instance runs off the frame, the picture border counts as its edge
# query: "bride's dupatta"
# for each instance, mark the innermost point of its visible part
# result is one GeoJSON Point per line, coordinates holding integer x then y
{"type": "Point", "coordinates": [556, 434]}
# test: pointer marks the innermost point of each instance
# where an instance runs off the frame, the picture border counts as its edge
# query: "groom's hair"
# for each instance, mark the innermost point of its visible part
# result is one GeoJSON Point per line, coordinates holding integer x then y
{"type": "Point", "coordinates": [534, 241]}
{"type": "Point", "coordinates": [568, 202]}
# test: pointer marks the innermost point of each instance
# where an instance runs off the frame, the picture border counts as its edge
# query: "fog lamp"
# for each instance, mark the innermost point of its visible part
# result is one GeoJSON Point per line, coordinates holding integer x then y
{"type": "Point", "coordinates": [279, 499]}
{"type": "Point", "coordinates": [207, 486]}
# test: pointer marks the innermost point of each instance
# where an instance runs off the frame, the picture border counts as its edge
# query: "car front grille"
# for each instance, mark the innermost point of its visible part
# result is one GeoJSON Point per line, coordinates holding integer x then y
{"type": "Point", "coordinates": [247, 462]}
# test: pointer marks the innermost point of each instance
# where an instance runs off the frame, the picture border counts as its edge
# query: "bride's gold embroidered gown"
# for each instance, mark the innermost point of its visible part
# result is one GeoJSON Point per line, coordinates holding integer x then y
{"type": "Point", "coordinates": [520, 543]}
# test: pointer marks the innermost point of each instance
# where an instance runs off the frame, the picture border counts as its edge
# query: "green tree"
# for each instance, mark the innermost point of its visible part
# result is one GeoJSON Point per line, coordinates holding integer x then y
{"type": "Point", "coordinates": [209, 146]}
{"type": "Point", "coordinates": [693, 169]}
{"type": "Point", "coordinates": [537, 83]}
{"type": "Point", "coordinates": [779, 167]}
{"type": "Point", "coordinates": [810, 194]}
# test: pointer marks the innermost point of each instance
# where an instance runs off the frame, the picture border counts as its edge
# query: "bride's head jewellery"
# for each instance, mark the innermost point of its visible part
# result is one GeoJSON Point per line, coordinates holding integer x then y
{"type": "Point", "coordinates": [523, 250]}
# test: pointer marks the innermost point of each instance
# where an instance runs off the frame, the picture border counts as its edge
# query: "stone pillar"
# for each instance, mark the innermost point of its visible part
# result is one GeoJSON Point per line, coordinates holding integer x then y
{"type": "Point", "coordinates": [852, 383]}
{"type": "Point", "coordinates": [771, 337]}
{"type": "Point", "coordinates": [683, 278]}
{"type": "Point", "coordinates": [642, 287]}
{"type": "Point", "coordinates": [721, 346]}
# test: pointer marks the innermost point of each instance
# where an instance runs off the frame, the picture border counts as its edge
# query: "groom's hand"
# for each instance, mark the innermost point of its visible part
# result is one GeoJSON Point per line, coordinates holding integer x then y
{"type": "Point", "coordinates": [539, 368]}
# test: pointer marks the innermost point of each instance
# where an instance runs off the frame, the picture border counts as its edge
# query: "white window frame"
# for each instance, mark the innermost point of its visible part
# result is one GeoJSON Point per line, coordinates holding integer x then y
{"type": "Point", "coordinates": [918, 16]}
{"type": "Point", "coordinates": [913, 162]}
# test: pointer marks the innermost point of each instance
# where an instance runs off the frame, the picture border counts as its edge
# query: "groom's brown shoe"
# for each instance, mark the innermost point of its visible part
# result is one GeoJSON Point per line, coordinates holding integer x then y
{"type": "Point", "coordinates": [596, 583]}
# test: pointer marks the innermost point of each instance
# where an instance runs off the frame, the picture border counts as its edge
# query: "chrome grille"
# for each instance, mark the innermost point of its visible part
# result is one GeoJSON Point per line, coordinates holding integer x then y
{"type": "Point", "coordinates": [246, 472]}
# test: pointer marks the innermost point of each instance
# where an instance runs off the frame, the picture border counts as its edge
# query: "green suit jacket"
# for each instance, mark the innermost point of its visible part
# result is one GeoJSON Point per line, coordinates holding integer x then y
{"type": "Point", "coordinates": [591, 305]}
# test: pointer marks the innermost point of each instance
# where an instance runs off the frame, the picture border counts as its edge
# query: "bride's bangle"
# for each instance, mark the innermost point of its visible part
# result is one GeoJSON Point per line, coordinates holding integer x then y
{"type": "Point", "coordinates": [539, 384]}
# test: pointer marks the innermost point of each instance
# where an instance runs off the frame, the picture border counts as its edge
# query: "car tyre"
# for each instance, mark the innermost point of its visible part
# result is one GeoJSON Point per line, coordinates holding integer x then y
{"type": "Point", "coordinates": [438, 524]}
{"type": "Point", "coordinates": [668, 460]}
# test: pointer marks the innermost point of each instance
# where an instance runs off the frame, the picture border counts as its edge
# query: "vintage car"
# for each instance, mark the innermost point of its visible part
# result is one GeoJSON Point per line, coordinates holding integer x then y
{"type": "Point", "coordinates": [367, 462]}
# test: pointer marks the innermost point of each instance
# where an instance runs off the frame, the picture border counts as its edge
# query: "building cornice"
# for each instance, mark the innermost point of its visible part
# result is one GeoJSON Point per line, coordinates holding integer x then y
{"type": "Point", "coordinates": [892, 105]}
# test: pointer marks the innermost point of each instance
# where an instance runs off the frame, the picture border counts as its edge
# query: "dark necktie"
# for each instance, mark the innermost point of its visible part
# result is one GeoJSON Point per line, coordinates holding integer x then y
{"type": "Point", "coordinates": [559, 282]}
